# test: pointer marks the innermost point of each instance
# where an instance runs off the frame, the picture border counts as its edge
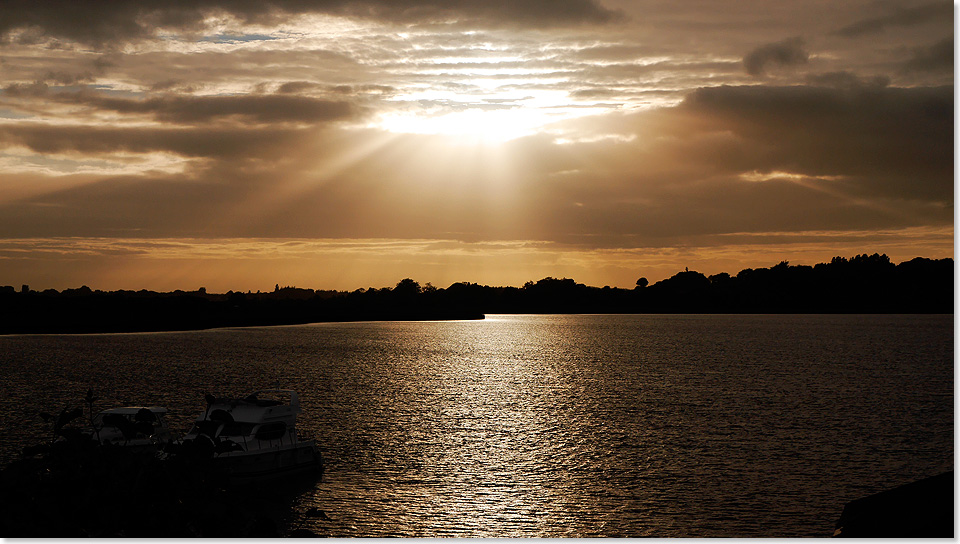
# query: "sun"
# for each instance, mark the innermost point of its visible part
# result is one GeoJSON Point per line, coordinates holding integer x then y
{"type": "Point", "coordinates": [488, 112]}
{"type": "Point", "coordinates": [488, 126]}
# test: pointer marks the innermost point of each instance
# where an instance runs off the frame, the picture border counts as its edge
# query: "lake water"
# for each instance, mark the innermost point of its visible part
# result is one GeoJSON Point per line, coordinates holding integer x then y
{"type": "Point", "coordinates": [551, 426]}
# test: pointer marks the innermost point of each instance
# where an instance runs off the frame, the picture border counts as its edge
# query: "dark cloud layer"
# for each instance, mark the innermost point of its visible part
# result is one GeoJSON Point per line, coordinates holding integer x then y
{"type": "Point", "coordinates": [900, 18]}
{"type": "Point", "coordinates": [846, 80]}
{"type": "Point", "coordinates": [935, 58]}
{"type": "Point", "coordinates": [199, 109]}
{"type": "Point", "coordinates": [873, 133]}
{"type": "Point", "coordinates": [227, 143]}
{"type": "Point", "coordinates": [106, 22]}
{"type": "Point", "coordinates": [788, 52]}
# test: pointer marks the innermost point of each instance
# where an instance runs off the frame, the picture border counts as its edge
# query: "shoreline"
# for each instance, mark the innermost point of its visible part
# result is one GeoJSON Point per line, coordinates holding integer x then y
{"type": "Point", "coordinates": [40, 330]}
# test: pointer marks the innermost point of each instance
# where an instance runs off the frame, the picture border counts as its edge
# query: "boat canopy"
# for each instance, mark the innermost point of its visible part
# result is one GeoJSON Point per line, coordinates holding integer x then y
{"type": "Point", "coordinates": [132, 410]}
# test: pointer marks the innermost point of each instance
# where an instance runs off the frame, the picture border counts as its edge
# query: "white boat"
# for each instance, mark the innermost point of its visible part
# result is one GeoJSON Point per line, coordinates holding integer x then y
{"type": "Point", "coordinates": [135, 427]}
{"type": "Point", "coordinates": [255, 438]}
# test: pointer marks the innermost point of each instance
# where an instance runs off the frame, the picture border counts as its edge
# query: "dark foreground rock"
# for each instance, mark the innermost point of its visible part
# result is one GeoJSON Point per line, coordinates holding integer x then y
{"type": "Point", "coordinates": [922, 509]}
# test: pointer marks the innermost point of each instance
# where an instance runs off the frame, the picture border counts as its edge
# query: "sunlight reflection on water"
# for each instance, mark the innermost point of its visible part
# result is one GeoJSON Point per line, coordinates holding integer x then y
{"type": "Point", "coordinates": [524, 426]}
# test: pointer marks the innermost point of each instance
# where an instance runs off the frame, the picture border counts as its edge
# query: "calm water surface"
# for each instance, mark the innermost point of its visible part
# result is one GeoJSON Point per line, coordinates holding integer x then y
{"type": "Point", "coordinates": [552, 426]}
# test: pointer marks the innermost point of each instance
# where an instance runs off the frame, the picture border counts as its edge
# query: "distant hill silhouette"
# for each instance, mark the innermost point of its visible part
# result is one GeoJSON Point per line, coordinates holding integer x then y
{"type": "Point", "coordinates": [862, 284]}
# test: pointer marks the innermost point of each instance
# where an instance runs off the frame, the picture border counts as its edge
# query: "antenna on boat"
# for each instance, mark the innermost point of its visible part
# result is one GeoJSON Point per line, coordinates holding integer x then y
{"type": "Point", "coordinates": [210, 400]}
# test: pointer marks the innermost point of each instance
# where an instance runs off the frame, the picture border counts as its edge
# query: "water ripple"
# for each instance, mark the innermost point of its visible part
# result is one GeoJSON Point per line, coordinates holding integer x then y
{"type": "Point", "coordinates": [554, 426]}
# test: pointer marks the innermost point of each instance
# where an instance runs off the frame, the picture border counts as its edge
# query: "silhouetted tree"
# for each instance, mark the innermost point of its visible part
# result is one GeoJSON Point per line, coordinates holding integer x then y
{"type": "Point", "coordinates": [862, 284]}
{"type": "Point", "coordinates": [407, 286]}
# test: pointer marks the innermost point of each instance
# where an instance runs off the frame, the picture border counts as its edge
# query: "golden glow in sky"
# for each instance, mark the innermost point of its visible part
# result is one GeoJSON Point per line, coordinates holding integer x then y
{"type": "Point", "coordinates": [506, 120]}
{"type": "Point", "coordinates": [472, 124]}
{"type": "Point", "coordinates": [602, 140]}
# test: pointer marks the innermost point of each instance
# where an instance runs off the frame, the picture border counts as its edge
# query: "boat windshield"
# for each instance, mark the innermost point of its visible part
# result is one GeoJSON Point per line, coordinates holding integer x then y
{"type": "Point", "coordinates": [272, 431]}
{"type": "Point", "coordinates": [237, 428]}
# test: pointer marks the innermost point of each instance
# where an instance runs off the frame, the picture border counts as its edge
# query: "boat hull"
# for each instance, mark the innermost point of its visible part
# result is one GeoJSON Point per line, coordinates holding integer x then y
{"type": "Point", "coordinates": [266, 464]}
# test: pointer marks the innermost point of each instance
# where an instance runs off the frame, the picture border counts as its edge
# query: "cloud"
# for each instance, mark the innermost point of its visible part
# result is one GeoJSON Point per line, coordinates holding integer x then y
{"type": "Point", "coordinates": [290, 159]}
{"type": "Point", "coordinates": [104, 24]}
{"type": "Point", "coordinates": [173, 85]}
{"type": "Point", "coordinates": [199, 109]}
{"type": "Point", "coordinates": [204, 142]}
{"type": "Point", "coordinates": [295, 87]}
{"type": "Point", "coordinates": [752, 159]}
{"type": "Point", "coordinates": [180, 109]}
{"type": "Point", "coordinates": [132, 206]}
{"type": "Point", "coordinates": [788, 52]}
{"type": "Point", "coordinates": [901, 18]}
{"type": "Point", "coordinates": [846, 80]}
{"type": "Point", "coordinates": [532, 13]}
{"type": "Point", "coordinates": [900, 139]}
{"type": "Point", "coordinates": [934, 58]}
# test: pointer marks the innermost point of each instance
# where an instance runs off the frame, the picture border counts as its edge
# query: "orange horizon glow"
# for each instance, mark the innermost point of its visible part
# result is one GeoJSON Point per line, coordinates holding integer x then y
{"type": "Point", "coordinates": [346, 265]}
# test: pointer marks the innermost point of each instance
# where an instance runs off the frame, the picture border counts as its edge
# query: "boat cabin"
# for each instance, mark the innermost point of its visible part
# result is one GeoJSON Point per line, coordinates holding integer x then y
{"type": "Point", "coordinates": [130, 424]}
{"type": "Point", "coordinates": [263, 419]}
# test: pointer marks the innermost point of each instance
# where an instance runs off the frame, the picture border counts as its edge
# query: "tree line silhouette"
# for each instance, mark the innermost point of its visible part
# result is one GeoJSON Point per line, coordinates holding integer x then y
{"type": "Point", "coordinates": [861, 284]}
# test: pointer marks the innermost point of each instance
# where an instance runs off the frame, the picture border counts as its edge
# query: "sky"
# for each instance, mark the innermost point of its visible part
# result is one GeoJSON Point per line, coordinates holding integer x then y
{"type": "Point", "coordinates": [332, 144]}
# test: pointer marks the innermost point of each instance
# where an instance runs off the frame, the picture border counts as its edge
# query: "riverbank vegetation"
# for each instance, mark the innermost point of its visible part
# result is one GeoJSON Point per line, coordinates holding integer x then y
{"type": "Point", "coordinates": [861, 284]}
